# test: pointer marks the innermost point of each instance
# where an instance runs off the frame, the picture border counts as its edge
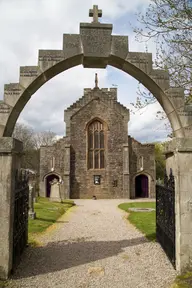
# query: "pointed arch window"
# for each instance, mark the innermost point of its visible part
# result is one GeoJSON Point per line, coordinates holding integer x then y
{"type": "Point", "coordinates": [96, 145]}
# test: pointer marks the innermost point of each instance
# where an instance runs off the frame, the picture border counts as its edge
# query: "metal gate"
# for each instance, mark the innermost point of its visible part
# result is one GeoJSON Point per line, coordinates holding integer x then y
{"type": "Point", "coordinates": [20, 223]}
{"type": "Point", "coordinates": [165, 216]}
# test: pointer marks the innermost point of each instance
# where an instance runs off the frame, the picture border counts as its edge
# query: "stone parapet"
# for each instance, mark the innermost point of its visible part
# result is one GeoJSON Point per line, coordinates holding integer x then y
{"type": "Point", "coordinates": [119, 46]}
{"type": "Point", "coordinates": [141, 60]}
{"type": "Point", "coordinates": [12, 93]}
{"type": "Point", "coordinates": [28, 74]}
{"type": "Point", "coordinates": [48, 58]}
{"type": "Point", "coordinates": [96, 42]}
{"type": "Point", "coordinates": [72, 45]}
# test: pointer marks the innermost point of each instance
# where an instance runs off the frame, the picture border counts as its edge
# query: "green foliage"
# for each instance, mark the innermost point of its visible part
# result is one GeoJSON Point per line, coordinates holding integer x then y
{"type": "Point", "coordinates": [183, 281]}
{"type": "Point", "coordinates": [47, 213]}
{"type": "Point", "coordinates": [144, 221]}
{"type": "Point", "coordinates": [4, 284]}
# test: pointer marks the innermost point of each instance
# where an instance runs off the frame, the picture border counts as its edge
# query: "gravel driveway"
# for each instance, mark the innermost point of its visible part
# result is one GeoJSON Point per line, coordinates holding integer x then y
{"type": "Point", "coordinates": [94, 246]}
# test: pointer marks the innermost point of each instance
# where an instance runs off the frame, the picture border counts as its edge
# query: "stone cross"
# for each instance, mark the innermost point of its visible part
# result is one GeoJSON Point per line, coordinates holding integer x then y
{"type": "Point", "coordinates": [95, 13]}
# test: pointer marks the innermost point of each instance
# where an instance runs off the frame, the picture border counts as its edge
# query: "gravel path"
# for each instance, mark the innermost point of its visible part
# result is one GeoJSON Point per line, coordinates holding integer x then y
{"type": "Point", "coordinates": [94, 246]}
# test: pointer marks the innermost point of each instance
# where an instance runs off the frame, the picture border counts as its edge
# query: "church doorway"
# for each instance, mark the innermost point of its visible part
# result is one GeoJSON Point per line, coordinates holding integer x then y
{"type": "Point", "coordinates": [49, 179]}
{"type": "Point", "coordinates": [141, 186]}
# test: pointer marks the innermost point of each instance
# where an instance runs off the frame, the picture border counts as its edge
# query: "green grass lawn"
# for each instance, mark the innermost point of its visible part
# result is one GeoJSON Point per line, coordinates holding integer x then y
{"type": "Point", "coordinates": [47, 213]}
{"type": "Point", "coordinates": [144, 221]}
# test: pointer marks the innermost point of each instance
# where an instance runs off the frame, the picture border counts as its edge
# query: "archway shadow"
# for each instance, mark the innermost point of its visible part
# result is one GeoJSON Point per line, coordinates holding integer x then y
{"type": "Point", "coordinates": [61, 255]}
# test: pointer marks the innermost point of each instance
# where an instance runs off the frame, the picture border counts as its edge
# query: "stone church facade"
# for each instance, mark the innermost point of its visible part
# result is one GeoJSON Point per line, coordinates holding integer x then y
{"type": "Point", "coordinates": [97, 157]}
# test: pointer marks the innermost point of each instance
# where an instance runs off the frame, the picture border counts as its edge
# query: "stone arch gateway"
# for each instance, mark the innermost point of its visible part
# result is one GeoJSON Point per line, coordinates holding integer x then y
{"type": "Point", "coordinates": [53, 62]}
{"type": "Point", "coordinates": [96, 47]}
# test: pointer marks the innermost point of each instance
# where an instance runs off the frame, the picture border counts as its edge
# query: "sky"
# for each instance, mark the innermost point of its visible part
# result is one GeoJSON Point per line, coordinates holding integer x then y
{"type": "Point", "coordinates": [29, 25]}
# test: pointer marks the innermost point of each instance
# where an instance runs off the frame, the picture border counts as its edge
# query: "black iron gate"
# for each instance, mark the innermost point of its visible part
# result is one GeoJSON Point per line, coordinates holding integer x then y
{"type": "Point", "coordinates": [20, 224]}
{"type": "Point", "coordinates": [165, 216]}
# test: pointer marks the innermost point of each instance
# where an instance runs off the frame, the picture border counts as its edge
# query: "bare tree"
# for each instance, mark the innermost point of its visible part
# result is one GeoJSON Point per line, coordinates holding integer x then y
{"type": "Point", "coordinates": [44, 138]}
{"type": "Point", "coordinates": [31, 143]}
{"type": "Point", "coordinates": [25, 134]}
{"type": "Point", "coordinates": [169, 24]}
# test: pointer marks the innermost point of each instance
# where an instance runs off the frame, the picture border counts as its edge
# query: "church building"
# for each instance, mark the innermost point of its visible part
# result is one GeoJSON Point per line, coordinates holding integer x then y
{"type": "Point", "coordinates": [97, 157]}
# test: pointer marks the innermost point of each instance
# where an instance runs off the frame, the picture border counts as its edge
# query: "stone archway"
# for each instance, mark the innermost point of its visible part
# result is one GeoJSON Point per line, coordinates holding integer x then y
{"type": "Point", "coordinates": [149, 188]}
{"type": "Point", "coordinates": [96, 47]}
{"type": "Point", "coordinates": [141, 186]}
{"type": "Point", "coordinates": [47, 179]}
{"type": "Point", "coordinates": [156, 82]}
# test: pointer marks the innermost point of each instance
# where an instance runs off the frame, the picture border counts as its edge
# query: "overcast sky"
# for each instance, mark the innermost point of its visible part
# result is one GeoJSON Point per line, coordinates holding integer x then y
{"type": "Point", "coordinates": [29, 25]}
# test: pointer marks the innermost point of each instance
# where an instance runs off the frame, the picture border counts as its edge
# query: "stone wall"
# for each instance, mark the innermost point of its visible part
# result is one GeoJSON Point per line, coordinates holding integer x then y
{"type": "Point", "coordinates": [142, 162]}
{"type": "Point", "coordinates": [46, 153]}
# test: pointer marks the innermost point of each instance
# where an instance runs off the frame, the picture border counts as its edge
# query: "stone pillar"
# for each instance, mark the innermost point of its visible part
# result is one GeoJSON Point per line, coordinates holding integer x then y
{"type": "Point", "coordinates": [126, 184]}
{"type": "Point", "coordinates": [10, 159]}
{"type": "Point", "coordinates": [31, 213]}
{"type": "Point", "coordinates": [179, 158]}
{"type": "Point", "coordinates": [66, 175]}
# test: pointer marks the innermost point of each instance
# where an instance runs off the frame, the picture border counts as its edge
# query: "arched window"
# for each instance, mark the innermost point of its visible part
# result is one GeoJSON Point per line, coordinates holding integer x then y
{"type": "Point", "coordinates": [96, 146]}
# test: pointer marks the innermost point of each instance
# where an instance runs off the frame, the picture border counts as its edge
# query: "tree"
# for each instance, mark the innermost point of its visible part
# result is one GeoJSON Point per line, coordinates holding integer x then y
{"type": "Point", "coordinates": [31, 144]}
{"type": "Point", "coordinates": [44, 138]}
{"type": "Point", "coordinates": [25, 134]}
{"type": "Point", "coordinates": [169, 24]}
{"type": "Point", "coordinates": [30, 158]}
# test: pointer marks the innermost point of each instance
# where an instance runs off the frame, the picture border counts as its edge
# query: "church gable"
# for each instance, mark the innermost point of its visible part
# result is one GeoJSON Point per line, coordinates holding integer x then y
{"type": "Point", "coordinates": [105, 97]}
{"type": "Point", "coordinates": [92, 102]}
{"type": "Point", "coordinates": [108, 96]}
{"type": "Point", "coordinates": [95, 106]}
{"type": "Point", "coordinates": [97, 109]}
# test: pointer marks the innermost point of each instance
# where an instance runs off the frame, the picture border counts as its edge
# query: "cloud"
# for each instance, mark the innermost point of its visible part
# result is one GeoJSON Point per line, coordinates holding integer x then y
{"type": "Point", "coordinates": [27, 26]}
{"type": "Point", "coordinates": [145, 127]}
{"type": "Point", "coordinates": [56, 95]}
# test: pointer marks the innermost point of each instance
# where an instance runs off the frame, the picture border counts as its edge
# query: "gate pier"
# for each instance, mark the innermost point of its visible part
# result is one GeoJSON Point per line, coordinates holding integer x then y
{"type": "Point", "coordinates": [179, 158]}
{"type": "Point", "coordinates": [10, 155]}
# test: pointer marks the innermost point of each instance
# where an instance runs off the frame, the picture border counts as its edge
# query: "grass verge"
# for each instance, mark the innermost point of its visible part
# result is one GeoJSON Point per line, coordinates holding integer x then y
{"type": "Point", "coordinates": [3, 284]}
{"type": "Point", "coordinates": [143, 221]}
{"type": "Point", "coordinates": [183, 281]}
{"type": "Point", "coordinates": [47, 213]}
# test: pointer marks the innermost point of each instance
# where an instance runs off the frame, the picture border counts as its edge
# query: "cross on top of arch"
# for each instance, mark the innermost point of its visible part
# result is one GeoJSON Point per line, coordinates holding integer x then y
{"type": "Point", "coordinates": [95, 13]}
